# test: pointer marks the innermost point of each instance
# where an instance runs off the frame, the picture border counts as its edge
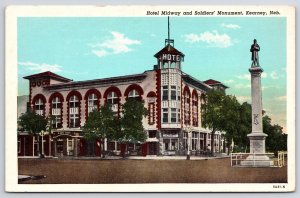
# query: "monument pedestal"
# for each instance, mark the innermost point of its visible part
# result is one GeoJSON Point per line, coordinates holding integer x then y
{"type": "Point", "coordinates": [257, 156]}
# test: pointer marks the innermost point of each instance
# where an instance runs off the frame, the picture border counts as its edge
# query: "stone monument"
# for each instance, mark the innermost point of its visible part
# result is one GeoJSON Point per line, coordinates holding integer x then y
{"type": "Point", "coordinates": [257, 156]}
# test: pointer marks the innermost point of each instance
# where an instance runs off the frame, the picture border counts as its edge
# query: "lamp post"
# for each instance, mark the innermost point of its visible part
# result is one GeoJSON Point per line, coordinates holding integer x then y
{"type": "Point", "coordinates": [188, 129]}
{"type": "Point", "coordinates": [42, 153]}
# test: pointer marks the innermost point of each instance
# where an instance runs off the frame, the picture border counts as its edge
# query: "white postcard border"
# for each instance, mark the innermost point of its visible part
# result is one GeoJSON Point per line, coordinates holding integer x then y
{"type": "Point", "coordinates": [11, 172]}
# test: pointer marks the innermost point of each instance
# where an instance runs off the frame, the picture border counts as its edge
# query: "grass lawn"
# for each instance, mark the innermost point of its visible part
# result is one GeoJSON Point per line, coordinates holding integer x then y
{"type": "Point", "coordinates": [61, 171]}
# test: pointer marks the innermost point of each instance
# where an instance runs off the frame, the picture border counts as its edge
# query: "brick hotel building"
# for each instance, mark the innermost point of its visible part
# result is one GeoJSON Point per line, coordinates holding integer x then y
{"type": "Point", "coordinates": [173, 100]}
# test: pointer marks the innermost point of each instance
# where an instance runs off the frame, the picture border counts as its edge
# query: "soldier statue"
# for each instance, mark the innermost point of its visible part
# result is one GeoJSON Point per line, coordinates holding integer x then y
{"type": "Point", "coordinates": [254, 49]}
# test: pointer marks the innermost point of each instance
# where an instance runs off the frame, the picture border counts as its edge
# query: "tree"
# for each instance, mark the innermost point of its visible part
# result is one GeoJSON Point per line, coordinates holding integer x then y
{"type": "Point", "coordinates": [242, 139]}
{"type": "Point", "coordinates": [34, 124]}
{"type": "Point", "coordinates": [213, 114]}
{"type": "Point", "coordinates": [230, 118]}
{"type": "Point", "coordinates": [132, 129]}
{"type": "Point", "coordinates": [99, 125]}
{"type": "Point", "coordinates": [276, 140]}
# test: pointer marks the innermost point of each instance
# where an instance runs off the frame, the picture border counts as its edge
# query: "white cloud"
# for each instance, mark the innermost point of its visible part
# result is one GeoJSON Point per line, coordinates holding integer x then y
{"type": "Point", "coordinates": [116, 45]}
{"type": "Point", "coordinates": [230, 26]}
{"type": "Point", "coordinates": [244, 76]}
{"type": "Point", "coordinates": [274, 75]}
{"type": "Point", "coordinates": [100, 53]}
{"type": "Point", "coordinates": [281, 98]}
{"type": "Point", "coordinates": [213, 39]}
{"type": "Point", "coordinates": [264, 75]}
{"type": "Point", "coordinates": [40, 67]}
{"type": "Point", "coordinates": [242, 99]}
{"type": "Point", "coordinates": [248, 76]}
{"type": "Point", "coordinates": [242, 86]}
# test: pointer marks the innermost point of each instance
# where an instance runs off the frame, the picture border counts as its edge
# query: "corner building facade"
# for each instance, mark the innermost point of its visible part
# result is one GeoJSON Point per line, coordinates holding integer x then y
{"type": "Point", "coordinates": [174, 101]}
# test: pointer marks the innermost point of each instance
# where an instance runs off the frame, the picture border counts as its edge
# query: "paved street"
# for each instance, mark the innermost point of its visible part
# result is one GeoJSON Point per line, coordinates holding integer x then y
{"type": "Point", "coordinates": [89, 171]}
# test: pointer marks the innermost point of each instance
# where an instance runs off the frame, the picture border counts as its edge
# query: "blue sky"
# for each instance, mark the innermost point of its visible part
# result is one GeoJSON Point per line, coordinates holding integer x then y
{"type": "Point", "coordinates": [218, 48]}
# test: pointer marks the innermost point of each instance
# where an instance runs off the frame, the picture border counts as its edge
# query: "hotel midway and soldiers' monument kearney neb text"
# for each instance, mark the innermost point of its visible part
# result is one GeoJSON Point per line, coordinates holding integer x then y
{"type": "Point", "coordinates": [174, 100]}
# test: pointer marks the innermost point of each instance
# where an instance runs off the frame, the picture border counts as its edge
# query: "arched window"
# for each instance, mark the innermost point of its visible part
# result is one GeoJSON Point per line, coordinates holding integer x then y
{"type": "Point", "coordinates": [165, 65]}
{"type": "Point", "coordinates": [203, 110]}
{"type": "Point", "coordinates": [39, 106]}
{"type": "Point", "coordinates": [133, 94]}
{"type": "Point", "coordinates": [151, 97]}
{"type": "Point", "coordinates": [92, 97]}
{"type": "Point", "coordinates": [56, 113]}
{"type": "Point", "coordinates": [112, 98]}
{"type": "Point", "coordinates": [56, 106]}
{"type": "Point", "coordinates": [195, 110]}
{"type": "Point", "coordinates": [74, 104]}
{"type": "Point", "coordinates": [173, 65]}
{"type": "Point", "coordinates": [187, 106]}
{"type": "Point", "coordinates": [92, 102]}
{"type": "Point", "coordinates": [134, 91]}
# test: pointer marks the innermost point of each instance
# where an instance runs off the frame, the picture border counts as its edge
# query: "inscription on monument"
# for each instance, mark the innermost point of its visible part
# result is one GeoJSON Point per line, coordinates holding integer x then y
{"type": "Point", "coordinates": [255, 119]}
{"type": "Point", "coordinates": [257, 146]}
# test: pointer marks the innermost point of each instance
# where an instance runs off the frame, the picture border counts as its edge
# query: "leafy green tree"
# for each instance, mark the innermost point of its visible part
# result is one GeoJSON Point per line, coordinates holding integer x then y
{"type": "Point", "coordinates": [230, 118]}
{"type": "Point", "coordinates": [276, 140]}
{"type": "Point", "coordinates": [241, 139]}
{"type": "Point", "coordinates": [34, 124]}
{"type": "Point", "coordinates": [132, 129]}
{"type": "Point", "coordinates": [99, 125]}
{"type": "Point", "coordinates": [213, 114]}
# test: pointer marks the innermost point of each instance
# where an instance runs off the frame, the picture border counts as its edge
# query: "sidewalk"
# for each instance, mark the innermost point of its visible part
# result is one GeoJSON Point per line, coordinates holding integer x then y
{"type": "Point", "coordinates": [148, 157]}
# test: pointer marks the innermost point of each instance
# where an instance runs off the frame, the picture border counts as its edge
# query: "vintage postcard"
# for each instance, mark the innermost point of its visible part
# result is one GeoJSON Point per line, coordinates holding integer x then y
{"type": "Point", "coordinates": [150, 99]}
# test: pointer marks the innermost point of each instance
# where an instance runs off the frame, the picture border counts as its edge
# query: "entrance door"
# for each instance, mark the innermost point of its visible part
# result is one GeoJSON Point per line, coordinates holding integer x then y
{"type": "Point", "coordinates": [152, 148]}
{"type": "Point", "coordinates": [60, 147]}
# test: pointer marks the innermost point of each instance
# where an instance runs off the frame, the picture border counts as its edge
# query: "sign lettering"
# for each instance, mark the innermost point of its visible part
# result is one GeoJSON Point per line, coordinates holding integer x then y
{"type": "Point", "coordinates": [171, 57]}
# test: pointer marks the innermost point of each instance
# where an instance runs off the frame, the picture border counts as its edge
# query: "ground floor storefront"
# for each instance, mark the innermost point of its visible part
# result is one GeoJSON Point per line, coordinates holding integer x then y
{"type": "Point", "coordinates": [164, 142]}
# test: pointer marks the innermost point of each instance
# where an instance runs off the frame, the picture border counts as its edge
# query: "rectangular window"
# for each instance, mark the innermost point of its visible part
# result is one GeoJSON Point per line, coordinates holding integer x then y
{"type": "Point", "coordinates": [173, 92]}
{"type": "Point", "coordinates": [152, 134]}
{"type": "Point", "coordinates": [165, 64]}
{"type": "Point", "coordinates": [165, 91]}
{"type": "Point", "coordinates": [201, 135]}
{"type": "Point", "coordinates": [151, 113]}
{"type": "Point", "coordinates": [178, 115]}
{"type": "Point", "coordinates": [165, 115]}
{"type": "Point", "coordinates": [173, 115]}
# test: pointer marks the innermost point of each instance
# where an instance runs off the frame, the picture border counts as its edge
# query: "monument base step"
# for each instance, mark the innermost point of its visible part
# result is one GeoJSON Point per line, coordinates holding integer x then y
{"type": "Point", "coordinates": [257, 163]}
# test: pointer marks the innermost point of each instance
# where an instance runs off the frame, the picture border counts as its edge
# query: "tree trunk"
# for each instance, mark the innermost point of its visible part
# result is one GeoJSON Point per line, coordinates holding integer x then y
{"type": "Point", "coordinates": [123, 149]}
{"type": "Point", "coordinates": [212, 142]}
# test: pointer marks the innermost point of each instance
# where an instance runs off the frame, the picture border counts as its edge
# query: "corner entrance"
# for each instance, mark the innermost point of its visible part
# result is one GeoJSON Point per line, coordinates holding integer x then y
{"type": "Point", "coordinates": [64, 146]}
